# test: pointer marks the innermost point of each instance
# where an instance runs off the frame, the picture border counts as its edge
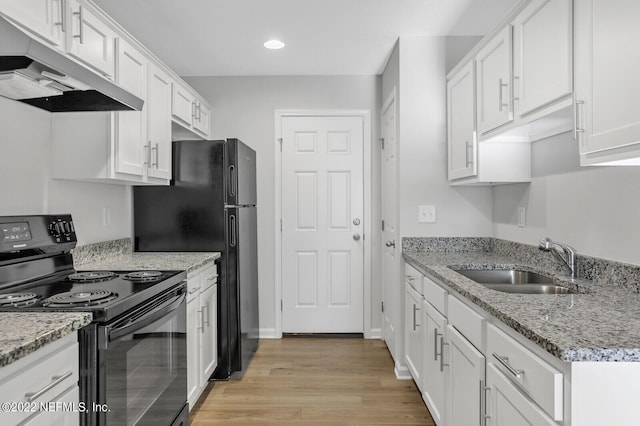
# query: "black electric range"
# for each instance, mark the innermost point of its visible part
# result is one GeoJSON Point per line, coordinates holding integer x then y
{"type": "Point", "coordinates": [133, 353]}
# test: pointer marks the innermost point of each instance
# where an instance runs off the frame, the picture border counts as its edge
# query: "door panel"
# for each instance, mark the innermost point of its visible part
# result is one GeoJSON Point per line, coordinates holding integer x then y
{"type": "Point", "coordinates": [322, 207]}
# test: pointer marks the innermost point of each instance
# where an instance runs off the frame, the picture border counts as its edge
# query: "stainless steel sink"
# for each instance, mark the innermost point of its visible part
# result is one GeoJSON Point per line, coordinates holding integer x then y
{"type": "Point", "coordinates": [515, 281]}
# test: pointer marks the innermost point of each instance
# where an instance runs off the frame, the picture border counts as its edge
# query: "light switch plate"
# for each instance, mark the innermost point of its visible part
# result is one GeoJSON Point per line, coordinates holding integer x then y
{"type": "Point", "coordinates": [427, 214]}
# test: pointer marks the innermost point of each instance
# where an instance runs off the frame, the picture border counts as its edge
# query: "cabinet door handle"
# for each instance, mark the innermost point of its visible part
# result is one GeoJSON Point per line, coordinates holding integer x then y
{"type": "Point", "coordinates": [468, 153]}
{"type": "Point", "coordinates": [576, 118]}
{"type": "Point", "coordinates": [505, 363]}
{"type": "Point", "coordinates": [62, 23]}
{"type": "Point", "coordinates": [55, 381]}
{"type": "Point", "coordinates": [193, 110]}
{"type": "Point", "coordinates": [415, 309]}
{"type": "Point", "coordinates": [435, 344]}
{"type": "Point", "coordinates": [513, 83]}
{"type": "Point", "coordinates": [147, 153]}
{"type": "Point", "coordinates": [156, 155]}
{"type": "Point", "coordinates": [483, 403]}
{"type": "Point", "coordinates": [80, 15]}
{"type": "Point", "coordinates": [205, 308]}
{"type": "Point", "coordinates": [442, 345]}
{"type": "Point", "coordinates": [201, 312]}
{"type": "Point", "coordinates": [500, 86]}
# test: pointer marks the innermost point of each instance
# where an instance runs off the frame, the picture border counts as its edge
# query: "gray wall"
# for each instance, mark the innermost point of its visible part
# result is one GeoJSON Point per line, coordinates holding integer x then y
{"type": "Point", "coordinates": [594, 209]}
{"type": "Point", "coordinates": [27, 187]}
{"type": "Point", "coordinates": [244, 107]}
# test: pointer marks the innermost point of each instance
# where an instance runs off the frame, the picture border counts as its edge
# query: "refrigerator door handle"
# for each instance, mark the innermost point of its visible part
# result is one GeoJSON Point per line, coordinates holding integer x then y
{"type": "Point", "coordinates": [233, 181]}
{"type": "Point", "coordinates": [232, 231]}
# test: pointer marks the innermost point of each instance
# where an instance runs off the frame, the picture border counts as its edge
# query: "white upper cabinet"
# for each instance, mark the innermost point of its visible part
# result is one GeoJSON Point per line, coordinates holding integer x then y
{"type": "Point", "coordinates": [90, 40]}
{"type": "Point", "coordinates": [461, 129]}
{"type": "Point", "coordinates": [130, 131]}
{"type": "Point", "coordinates": [45, 18]}
{"type": "Point", "coordinates": [607, 105]}
{"type": "Point", "coordinates": [542, 60]}
{"type": "Point", "coordinates": [493, 82]}
{"type": "Point", "coordinates": [159, 122]}
{"type": "Point", "coordinates": [190, 113]}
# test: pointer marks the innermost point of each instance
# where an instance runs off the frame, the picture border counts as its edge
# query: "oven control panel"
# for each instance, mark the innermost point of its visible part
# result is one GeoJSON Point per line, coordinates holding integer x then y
{"type": "Point", "coordinates": [47, 233]}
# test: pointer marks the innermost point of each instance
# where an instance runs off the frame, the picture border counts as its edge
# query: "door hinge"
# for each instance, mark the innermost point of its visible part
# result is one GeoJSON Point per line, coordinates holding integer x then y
{"type": "Point", "coordinates": [382, 303]}
{"type": "Point", "coordinates": [280, 140]}
{"type": "Point", "coordinates": [383, 224]}
{"type": "Point", "coordinates": [281, 305]}
{"type": "Point", "coordinates": [280, 225]}
{"type": "Point", "coordinates": [381, 142]}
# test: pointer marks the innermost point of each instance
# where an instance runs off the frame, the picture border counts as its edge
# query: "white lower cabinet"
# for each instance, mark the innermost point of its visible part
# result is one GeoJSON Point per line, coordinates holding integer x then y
{"type": "Point", "coordinates": [414, 331]}
{"type": "Point", "coordinates": [509, 406]}
{"type": "Point", "coordinates": [465, 379]}
{"type": "Point", "coordinates": [47, 377]}
{"type": "Point", "coordinates": [435, 371]}
{"type": "Point", "coordinates": [202, 339]}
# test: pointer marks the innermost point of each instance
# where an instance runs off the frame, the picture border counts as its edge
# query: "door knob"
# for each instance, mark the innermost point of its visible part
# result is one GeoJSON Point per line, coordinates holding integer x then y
{"type": "Point", "coordinates": [390, 244]}
{"type": "Point", "coordinates": [356, 237]}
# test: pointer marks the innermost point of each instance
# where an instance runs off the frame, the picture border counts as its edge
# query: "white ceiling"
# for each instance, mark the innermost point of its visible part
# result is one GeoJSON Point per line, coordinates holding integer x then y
{"type": "Point", "coordinates": [323, 37]}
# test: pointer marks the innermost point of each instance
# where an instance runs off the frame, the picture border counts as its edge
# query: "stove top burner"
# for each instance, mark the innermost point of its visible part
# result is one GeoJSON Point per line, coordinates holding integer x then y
{"type": "Point", "coordinates": [18, 299]}
{"type": "Point", "coordinates": [92, 276]}
{"type": "Point", "coordinates": [143, 276]}
{"type": "Point", "coordinates": [79, 298]}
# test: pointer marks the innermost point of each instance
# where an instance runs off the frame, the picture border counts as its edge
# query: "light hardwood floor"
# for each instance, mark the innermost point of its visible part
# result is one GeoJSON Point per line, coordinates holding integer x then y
{"type": "Point", "coordinates": [315, 381]}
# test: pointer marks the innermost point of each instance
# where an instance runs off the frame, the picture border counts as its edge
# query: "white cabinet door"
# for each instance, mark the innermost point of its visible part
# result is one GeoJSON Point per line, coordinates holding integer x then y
{"type": "Point", "coordinates": [183, 104]}
{"type": "Point", "coordinates": [465, 379]}
{"type": "Point", "coordinates": [159, 122]}
{"type": "Point", "coordinates": [202, 122]}
{"type": "Point", "coordinates": [507, 406]}
{"type": "Point", "coordinates": [209, 342]}
{"type": "Point", "coordinates": [542, 59]}
{"type": "Point", "coordinates": [607, 39]}
{"type": "Point", "coordinates": [461, 124]}
{"type": "Point", "coordinates": [131, 126]}
{"type": "Point", "coordinates": [90, 40]}
{"type": "Point", "coordinates": [45, 18]}
{"type": "Point", "coordinates": [414, 340]}
{"type": "Point", "coordinates": [493, 82]}
{"type": "Point", "coordinates": [435, 372]}
{"type": "Point", "coordinates": [193, 350]}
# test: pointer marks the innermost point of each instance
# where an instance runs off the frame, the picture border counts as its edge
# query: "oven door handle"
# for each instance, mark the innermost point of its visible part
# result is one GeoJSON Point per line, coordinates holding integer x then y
{"type": "Point", "coordinates": [114, 332]}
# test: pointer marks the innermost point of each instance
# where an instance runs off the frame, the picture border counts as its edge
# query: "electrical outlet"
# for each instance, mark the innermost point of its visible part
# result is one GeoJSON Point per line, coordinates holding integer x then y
{"type": "Point", "coordinates": [522, 217]}
{"type": "Point", "coordinates": [106, 216]}
{"type": "Point", "coordinates": [427, 214]}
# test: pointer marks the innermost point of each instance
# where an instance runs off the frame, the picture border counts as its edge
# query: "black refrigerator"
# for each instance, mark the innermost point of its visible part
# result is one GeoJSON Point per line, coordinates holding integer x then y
{"type": "Point", "coordinates": [211, 206]}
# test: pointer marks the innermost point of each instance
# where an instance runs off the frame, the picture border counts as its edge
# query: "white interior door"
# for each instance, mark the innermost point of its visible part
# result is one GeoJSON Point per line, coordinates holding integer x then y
{"type": "Point", "coordinates": [390, 289]}
{"type": "Point", "coordinates": [322, 224]}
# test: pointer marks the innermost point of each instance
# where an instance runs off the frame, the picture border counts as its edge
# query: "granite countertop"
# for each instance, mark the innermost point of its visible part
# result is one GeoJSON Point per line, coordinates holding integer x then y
{"type": "Point", "coordinates": [25, 332]}
{"type": "Point", "coordinates": [601, 323]}
{"type": "Point", "coordinates": [150, 260]}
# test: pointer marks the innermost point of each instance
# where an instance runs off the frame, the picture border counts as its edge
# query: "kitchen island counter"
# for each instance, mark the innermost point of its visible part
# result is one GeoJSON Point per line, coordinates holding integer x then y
{"type": "Point", "coordinates": [22, 333]}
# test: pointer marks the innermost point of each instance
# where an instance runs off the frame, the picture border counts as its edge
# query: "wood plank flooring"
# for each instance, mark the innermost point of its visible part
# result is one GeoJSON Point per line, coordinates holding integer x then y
{"type": "Point", "coordinates": [315, 381]}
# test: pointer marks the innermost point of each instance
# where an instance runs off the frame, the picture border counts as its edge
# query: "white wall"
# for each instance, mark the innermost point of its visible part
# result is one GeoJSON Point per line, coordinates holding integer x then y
{"type": "Point", "coordinates": [594, 209]}
{"type": "Point", "coordinates": [244, 107]}
{"type": "Point", "coordinates": [27, 187]}
{"type": "Point", "coordinates": [423, 149]}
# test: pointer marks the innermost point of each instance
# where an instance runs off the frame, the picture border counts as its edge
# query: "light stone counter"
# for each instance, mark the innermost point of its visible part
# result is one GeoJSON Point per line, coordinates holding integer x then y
{"type": "Point", "coordinates": [151, 261]}
{"type": "Point", "coordinates": [601, 323]}
{"type": "Point", "coordinates": [25, 332]}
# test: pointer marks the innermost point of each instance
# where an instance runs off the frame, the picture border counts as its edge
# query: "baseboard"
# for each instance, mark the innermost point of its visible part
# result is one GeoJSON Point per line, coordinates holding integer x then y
{"type": "Point", "coordinates": [402, 372]}
{"type": "Point", "coordinates": [268, 333]}
{"type": "Point", "coordinates": [374, 333]}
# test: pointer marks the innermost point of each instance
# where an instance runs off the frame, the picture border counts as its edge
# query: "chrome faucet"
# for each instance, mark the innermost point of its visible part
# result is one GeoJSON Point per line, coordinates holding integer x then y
{"type": "Point", "coordinates": [563, 252]}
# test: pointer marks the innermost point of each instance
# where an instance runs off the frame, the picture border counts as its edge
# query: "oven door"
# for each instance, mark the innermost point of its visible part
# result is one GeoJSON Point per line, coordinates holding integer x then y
{"type": "Point", "coordinates": [142, 363]}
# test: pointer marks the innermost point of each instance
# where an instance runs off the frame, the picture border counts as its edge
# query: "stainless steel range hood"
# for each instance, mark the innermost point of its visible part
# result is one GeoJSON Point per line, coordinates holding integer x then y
{"type": "Point", "coordinates": [36, 74]}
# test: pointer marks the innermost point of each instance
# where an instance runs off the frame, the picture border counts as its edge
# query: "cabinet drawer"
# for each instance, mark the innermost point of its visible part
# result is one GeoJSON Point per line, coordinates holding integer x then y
{"type": "Point", "coordinates": [413, 278]}
{"type": "Point", "coordinates": [435, 295]}
{"type": "Point", "coordinates": [468, 322]}
{"type": "Point", "coordinates": [39, 377]}
{"type": "Point", "coordinates": [208, 276]}
{"type": "Point", "coordinates": [539, 380]}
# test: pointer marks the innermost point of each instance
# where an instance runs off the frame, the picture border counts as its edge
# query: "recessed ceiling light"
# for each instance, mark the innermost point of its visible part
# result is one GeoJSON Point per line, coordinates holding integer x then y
{"type": "Point", "coordinates": [274, 44]}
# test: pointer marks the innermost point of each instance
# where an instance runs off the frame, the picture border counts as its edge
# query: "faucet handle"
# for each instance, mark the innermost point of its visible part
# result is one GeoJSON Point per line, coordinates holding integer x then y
{"type": "Point", "coordinates": [545, 244]}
